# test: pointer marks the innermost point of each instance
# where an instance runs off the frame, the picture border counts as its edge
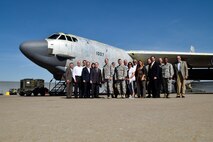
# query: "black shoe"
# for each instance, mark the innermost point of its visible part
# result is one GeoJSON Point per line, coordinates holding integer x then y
{"type": "Point", "coordinates": [183, 96]}
{"type": "Point", "coordinates": [177, 96]}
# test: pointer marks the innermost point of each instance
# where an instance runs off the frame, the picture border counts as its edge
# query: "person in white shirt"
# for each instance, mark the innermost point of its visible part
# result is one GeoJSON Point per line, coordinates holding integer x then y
{"type": "Point", "coordinates": [130, 79]}
{"type": "Point", "coordinates": [77, 75]}
{"type": "Point", "coordinates": [135, 64]}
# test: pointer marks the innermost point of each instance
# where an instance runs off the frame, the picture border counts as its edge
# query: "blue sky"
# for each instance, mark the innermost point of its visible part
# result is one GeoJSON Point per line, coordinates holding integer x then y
{"type": "Point", "coordinates": [165, 25]}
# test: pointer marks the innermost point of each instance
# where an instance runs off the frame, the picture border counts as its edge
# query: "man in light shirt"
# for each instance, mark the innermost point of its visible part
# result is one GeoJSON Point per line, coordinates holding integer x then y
{"type": "Point", "coordinates": [77, 72]}
{"type": "Point", "coordinates": [181, 72]}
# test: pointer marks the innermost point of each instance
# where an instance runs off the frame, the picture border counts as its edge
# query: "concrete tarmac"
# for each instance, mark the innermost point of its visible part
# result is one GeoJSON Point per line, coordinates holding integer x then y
{"type": "Point", "coordinates": [56, 119]}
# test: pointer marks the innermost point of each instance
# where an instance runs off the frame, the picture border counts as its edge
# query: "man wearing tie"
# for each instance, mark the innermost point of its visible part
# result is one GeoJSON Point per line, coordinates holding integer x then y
{"type": "Point", "coordinates": [153, 74]}
{"type": "Point", "coordinates": [181, 71]}
{"type": "Point", "coordinates": [69, 80]}
{"type": "Point", "coordinates": [86, 80]}
{"type": "Point", "coordinates": [148, 85]}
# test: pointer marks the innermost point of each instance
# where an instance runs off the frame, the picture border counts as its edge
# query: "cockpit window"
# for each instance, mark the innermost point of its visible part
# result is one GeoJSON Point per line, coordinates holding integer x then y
{"type": "Point", "coordinates": [74, 39]}
{"type": "Point", "coordinates": [54, 36]}
{"type": "Point", "coordinates": [62, 37]}
{"type": "Point", "coordinates": [69, 38]}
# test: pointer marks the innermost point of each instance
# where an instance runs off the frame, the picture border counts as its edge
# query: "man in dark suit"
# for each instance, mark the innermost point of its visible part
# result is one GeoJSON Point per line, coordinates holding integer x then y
{"type": "Point", "coordinates": [86, 79]}
{"type": "Point", "coordinates": [148, 86]}
{"type": "Point", "coordinates": [69, 80]}
{"type": "Point", "coordinates": [95, 80]}
{"type": "Point", "coordinates": [154, 76]}
{"type": "Point", "coordinates": [160, 79]}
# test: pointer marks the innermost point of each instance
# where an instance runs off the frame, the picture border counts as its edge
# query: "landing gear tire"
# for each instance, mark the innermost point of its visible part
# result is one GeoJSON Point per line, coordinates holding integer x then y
{"type": "Point", "coordinates": [21, 94]}
{"type": "Point", "coordinates": [42, 91]}
{"type": "Point", "coordinates": [28, 93]}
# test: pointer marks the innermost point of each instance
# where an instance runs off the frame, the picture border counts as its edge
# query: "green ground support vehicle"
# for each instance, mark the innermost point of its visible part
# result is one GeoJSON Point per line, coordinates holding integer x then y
{"type": "Point", "coordinates": [30, 87]}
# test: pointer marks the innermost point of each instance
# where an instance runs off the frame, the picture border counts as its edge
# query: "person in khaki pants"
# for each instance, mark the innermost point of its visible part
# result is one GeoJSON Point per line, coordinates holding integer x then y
{"type": "Point", "coordinates": [181, 71]}
{"type": "Point", "coordinates": [69, 80]}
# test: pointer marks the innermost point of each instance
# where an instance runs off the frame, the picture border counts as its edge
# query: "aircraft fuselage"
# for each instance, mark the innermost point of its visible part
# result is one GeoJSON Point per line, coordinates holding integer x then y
{"type": "Point", "coordinates": [57, 51]}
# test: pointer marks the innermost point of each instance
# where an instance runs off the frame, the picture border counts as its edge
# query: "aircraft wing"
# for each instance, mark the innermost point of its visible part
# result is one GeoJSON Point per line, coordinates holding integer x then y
{"type": "Point", "coordinates": [194, 60]}
{"type": "Point", "coordinates": [200, 64]}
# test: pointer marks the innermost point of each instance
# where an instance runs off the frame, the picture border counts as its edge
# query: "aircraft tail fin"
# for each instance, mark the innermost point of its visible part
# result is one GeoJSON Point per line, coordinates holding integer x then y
{"type": "Point", "coordinates": [192, 49]}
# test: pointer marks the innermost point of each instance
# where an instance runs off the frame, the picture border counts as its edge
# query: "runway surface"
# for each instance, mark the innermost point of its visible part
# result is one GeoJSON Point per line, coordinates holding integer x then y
{"type": "Point", "coordinates": [56, 119]}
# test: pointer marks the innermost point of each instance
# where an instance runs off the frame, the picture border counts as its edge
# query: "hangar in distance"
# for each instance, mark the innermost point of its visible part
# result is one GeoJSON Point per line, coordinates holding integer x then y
{"type": "Point", "coordinates": [58, 50]}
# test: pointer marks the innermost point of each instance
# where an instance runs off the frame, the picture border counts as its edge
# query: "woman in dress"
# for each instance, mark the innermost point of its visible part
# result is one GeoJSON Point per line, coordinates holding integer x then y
{"type": "Point", "coordinates": [141, 75]}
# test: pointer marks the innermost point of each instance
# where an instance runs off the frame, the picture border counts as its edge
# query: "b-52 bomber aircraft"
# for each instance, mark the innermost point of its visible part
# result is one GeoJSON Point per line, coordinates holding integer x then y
{"type": "Point", "coordinates": [58, 50]}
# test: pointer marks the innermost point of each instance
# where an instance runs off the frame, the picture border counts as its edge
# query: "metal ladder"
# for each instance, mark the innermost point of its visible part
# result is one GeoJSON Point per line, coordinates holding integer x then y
{"type": "Point", "coordinates": [58, 89]}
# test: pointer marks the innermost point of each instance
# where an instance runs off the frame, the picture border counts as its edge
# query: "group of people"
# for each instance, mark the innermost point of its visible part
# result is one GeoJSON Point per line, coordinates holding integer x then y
{"type": "Point", "coordinates": [87, 80]}
{"type": "Point", "coordinates": [127, 79]}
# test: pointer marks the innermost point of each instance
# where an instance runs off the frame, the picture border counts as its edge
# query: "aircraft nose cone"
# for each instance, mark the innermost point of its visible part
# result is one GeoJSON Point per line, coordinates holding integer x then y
{"type": "Point", "coordinates": [24, 47]}
{"type": "Point", "coordinates": [31, 48]}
